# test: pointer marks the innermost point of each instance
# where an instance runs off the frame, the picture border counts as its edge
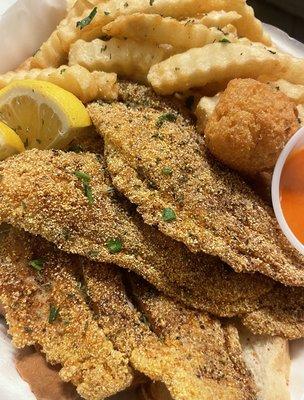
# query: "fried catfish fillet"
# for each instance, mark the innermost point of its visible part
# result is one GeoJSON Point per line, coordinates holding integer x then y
{"type": "Point", "coordinates": [212, 349]}
{"type": "Point", "coordinates": [68, 199]}
{"type": "Point", "coordinates": [155, 159]}
{"type": "Point", "coordinates": [185, 370]}
{"type": "Point", "coordinates": [45, 306]}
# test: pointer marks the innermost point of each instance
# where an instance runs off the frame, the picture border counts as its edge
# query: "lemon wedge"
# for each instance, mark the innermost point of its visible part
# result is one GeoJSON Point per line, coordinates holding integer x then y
{"type": "Point", "coordinates": [42, 114]}
{"type": "Point", "coordinates": [10, 142]}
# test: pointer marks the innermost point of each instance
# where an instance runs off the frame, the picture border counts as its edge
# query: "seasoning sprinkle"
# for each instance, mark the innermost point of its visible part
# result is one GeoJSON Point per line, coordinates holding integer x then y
{"type": "Point", "coordinates": [114, 245]}
{"type": "Point", "coordinates": [54, 313]}
{"type": "Point", "coordinates": [87, 20]}
{"type": "Point", "coordinates": [168, 215]}
{"type": "Point", "coordinates": [165, 117]}
{"type": "Point", "coordinates": [37, 264]}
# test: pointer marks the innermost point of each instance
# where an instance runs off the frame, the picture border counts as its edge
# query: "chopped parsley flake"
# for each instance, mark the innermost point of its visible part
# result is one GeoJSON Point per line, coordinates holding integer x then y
{"type": "Point", "coordinates": [85, 178]}
{"type": "Point", "coordinates": [62, 71]}
{"type": "Point", "coordinates": [87, 20]}
{"type": "Point", "coordinates": [224, 40]}
{"type": "Point", "coordinates": [37, 264]}
{"type": "Point", "coordinates": [82, 176]}
{"type": "Point", "coordinates": [272, 52]}
{"type": "Point", "coordinates": [151, 2]}
{"type": "Point", "coordinates": [126, 5]}
{"type": "Point", "coordinates": [167, 171]}
{"type": "Point", "coordinates": [106, 13]}
{"type": "Point", "coordinates": [114, 245]}
{"type": "Point", "coordinates": [168, 215]}
{"type": "Point", "coordinates": [165, 117]}
{"type": "Point", "coordinates": [54, 313]}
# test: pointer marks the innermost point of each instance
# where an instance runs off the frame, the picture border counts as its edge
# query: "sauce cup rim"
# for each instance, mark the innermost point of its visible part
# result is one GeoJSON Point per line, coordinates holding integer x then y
{"type": "Point", "coordinates": [275, 189]}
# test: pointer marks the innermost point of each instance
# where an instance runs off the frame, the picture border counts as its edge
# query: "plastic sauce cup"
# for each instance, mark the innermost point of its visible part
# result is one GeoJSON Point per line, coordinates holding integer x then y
{"type": "Point", "coordinates": [295, 143]}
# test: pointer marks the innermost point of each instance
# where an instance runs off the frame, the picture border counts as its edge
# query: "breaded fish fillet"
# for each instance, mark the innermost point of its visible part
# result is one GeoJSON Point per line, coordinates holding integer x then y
{"type": "Point", "coordinates": [155, 159]}
{"type": "Point", "coordinates": [45, 193]}
{"type": "Point", "coordinates": [44, 304]}
{"type": "Point", "coordinates": [180, 364]}
{"type": "Point", "coordinates": [212, 349]}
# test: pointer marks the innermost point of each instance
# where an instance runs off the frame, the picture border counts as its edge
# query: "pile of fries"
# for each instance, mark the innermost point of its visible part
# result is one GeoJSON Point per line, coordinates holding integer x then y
{"type": "Point", "coordinates": [173, 45]}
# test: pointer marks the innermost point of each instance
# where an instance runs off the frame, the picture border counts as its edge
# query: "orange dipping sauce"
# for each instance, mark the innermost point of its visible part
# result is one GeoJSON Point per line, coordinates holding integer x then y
{"type": "Point", "coordinates": [292, 193]}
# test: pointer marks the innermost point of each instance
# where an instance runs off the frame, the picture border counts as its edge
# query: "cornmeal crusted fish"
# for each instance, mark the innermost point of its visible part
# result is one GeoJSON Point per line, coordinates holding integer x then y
{"type": "Point", "coordinates": [68, 199]}
{"type": "Point", "coordinates": [212, 349]}
{"type": "Point", "coordinates": [155, 159]}
{"type": "Point", "coordinates": [45, 306]}
{"type": "Point", "coordinates": [191, 366]}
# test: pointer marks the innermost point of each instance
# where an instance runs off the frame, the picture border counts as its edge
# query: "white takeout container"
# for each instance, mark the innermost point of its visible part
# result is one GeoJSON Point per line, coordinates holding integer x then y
{"type": "Point", "coordinates": [296, 142]}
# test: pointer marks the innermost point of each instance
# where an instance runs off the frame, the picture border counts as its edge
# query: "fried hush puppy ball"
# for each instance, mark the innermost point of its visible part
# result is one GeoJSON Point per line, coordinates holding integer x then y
{"type": "Point", "coordinates": [250, 125]}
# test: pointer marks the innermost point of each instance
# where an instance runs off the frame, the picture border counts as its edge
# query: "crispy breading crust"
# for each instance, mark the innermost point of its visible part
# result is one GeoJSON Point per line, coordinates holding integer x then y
{"type": "Point", "coordinates": [212, 349]}
{"type": "Point", "coordinates": [73, 338]}
{"type": "Point", "coordinates": [215, 210]}
{"type": "Point", "coordinates": [40, 193]}
{"type": "Point", "coordinates": [160, 360]}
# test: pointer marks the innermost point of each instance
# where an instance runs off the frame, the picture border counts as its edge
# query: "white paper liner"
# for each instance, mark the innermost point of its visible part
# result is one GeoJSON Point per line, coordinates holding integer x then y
{"type": "Point", "coordinates": [23, 27]}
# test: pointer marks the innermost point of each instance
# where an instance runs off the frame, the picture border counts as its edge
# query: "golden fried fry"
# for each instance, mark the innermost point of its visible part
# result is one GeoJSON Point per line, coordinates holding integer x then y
{"type": "Point", "coordinates": [76, 79]}
{"type": "Point", "coordinates": [204, 110]}
{"type": "Point", "coordinates": [89, 25]}
{"type": "Point", "coordinates": [294, 92]}
{"type": "Point", "coordinates": [198, 201]}
{"type": "Point", "coordinates": [219, 19]}
{"type": "Point", "coordinates": [45, 305]}
{"type": "Point", "coordinates": [127, 58]}
{"type": "Point", "coordinates": [214, 63]}
{"type": "Point", "coordinates": [159, 30]}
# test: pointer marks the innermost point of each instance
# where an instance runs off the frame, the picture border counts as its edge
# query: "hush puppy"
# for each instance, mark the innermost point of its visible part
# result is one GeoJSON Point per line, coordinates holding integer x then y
{"type": "Point", "coordinates": [250, 126]}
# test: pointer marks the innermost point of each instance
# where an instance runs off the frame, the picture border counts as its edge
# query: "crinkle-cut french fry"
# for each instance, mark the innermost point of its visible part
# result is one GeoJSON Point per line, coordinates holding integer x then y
{"type": "Point", "coordinates": [85, 85]}
{"type": "Point", "coordinates": [248, 26]}
{"type": "Point", "coordinates": [77, 8]}
{"type": "Point", "coordinates": [204, 109]}
{"type": "Point", "coordinates": [52, 53]}
{"type": "Point", "coordinates": [294, 92]}
{"type": "Point", "coordinates": [214, 63]}
{"type": "Point", "coordinates": [162, 30]}
{"type": "Point", "coordinates": [219, 19]}
{"type": "Point", "coordinates": [128, 58]}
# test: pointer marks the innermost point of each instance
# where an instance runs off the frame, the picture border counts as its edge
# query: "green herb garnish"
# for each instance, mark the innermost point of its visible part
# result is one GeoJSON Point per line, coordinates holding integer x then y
{"type": "Point", "coordinates": [167, 171]}
{"type": "Point", "coordinates": [165, 117]}
{"type": "Point", "coordinates": [37, 264]}
{"type": "Point", "coordinates": [87, 20]}
{"type": "Point", "coordinates": [114, 245]}
{"type": "Point", "coordinates": [85, 178]}
{"type": "Point", "coordinates": [224, 40]}
{"type": "Point", "coordinates": [168, 215]}
{"type": "Point", "coordinates": [272, 52]}
{"type": "Point", "coordinates": [106, 13]}
{"type": "Point", "coordinates": [62, 71]}
{"type": "Point", "coordinates": [151, 2]}
{"type": "Point", "coordinates": [54, 313]}
{"type": "Point", "coordinates": [82, 176]}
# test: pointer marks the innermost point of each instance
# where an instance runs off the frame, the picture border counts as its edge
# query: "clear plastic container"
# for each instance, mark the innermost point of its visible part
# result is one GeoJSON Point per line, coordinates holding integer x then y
{"type": "Point", "coordinates": [296, 142]}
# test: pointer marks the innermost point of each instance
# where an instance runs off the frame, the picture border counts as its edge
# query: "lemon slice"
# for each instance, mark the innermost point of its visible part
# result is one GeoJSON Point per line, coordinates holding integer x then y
{"type": "Point", "coordinates": [10, 142]}
{"type": "Point", "coordinates": [42, 114]}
